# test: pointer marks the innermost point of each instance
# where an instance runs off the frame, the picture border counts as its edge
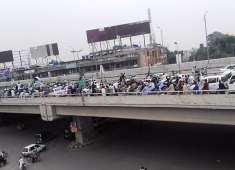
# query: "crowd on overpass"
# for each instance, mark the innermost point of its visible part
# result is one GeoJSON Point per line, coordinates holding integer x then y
{"type": "Point", "coordinates": [183, 84]}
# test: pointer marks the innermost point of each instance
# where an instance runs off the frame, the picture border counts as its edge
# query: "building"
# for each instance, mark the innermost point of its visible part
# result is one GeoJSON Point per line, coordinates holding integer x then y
{"type": "Point", "coordinates": [152, 56]}
{"type": "Point", "coordinates": [116, 60]}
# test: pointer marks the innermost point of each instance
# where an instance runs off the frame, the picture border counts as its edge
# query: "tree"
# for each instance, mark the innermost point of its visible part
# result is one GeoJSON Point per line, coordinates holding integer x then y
{"type": "Point", "coordinates": [171, 57]}
{"type": "Point", "coordinates": [220, 46]}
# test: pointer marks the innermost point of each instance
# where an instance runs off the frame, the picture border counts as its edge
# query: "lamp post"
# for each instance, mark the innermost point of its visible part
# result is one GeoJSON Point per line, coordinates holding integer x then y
{"type": "Point", "coordinates": [177, 55]}
{"type": "Point", "coordinates": [161, 32]}
{"type": "Point", "coordinates": [206, 34]}
{"type": "Point", "coordinates": [77, 52]}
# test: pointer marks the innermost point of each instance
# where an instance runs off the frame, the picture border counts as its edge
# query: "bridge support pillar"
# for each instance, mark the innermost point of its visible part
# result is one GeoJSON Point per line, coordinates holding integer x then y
{"type": "Point", "coordinates": [85, 130]}
{"type": "Point", "coordinates": [48, 112]}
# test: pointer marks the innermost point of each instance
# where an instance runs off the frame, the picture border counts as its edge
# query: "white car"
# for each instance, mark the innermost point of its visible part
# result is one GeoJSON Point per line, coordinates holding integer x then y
{"type": "Point", "coordinates": [28, 150]}
{"type": "Point", "coordinates": [229, 67]}
{"type": "Point", "coordinates": [231, 83]}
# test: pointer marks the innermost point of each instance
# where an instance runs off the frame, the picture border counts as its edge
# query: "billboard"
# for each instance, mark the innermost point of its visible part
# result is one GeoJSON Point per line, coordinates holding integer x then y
{"type": "Point", "coordinates": [6, 56]}
{"type": "Point", "coordinates": [125, 30]}
{"type": "Point", "coordinates": [102, 34]}
{"type": "Point", "coordinates": [5, 74]}
{"type": "Point", "coordinates": [44, 51]}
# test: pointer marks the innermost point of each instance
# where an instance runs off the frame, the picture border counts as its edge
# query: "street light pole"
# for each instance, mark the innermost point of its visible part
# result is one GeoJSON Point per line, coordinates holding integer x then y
{"type": "Point", "coordinates": [77, 52]}
{"type": "Point", "coordinates": [161, 32]}
{"type": "Point", "coordinates": [206, 32]}
{"type": "Point", "coordinates": [178, 56]}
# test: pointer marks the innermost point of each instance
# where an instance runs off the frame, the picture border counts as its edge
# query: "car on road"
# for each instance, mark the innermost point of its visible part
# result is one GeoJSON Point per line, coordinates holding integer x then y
{"type": "Point", "coordinates": [231, 83]}
{"type": "Point", "coordinates": [228, 68]}
{"type": "Point", "coordinates": [33, 148]}
{"type": "Point", "coordinates": [44, 137]}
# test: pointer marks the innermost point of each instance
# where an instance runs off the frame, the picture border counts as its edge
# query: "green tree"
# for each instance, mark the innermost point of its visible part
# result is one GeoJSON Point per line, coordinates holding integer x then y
{"type": "Point", "coordinates": [220, 46]}
{"type": "Point", "coordinates": [171, 56]}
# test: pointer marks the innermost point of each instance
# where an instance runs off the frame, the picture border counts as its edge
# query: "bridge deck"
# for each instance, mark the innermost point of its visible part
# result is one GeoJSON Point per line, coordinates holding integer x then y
{"type": "Point", "coordinates": [213, 108]}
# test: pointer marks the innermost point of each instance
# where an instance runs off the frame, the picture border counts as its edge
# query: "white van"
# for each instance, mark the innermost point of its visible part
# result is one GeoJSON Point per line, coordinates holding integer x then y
{"type": "Point", "coordinates": [213, 81]}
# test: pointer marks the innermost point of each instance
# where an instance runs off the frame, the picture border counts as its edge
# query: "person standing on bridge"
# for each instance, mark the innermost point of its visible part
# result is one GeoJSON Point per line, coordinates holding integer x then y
{"type": "Point", "coordinates": [185, 88]}
{"type": "Point", "coordinates": [221, 87]}
{"type": "Point", "coordinates": [205, 87]}
{"type": "Point", "coordinates": [103, 90]}
{"type": "Point", "coordinates": [81, 84]}
{"type": "Point", "coordinates": [195, 87]}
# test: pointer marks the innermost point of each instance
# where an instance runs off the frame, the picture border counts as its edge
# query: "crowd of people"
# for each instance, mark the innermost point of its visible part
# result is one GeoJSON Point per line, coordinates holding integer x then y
{"type": "Point", "coordinates": [182, 84]}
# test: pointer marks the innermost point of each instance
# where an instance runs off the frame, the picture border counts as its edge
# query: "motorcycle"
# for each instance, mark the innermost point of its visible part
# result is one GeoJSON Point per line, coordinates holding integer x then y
{"type": "Point", "coordinates": [34, 157]}
{"type": "Point", "coordinates": [3, 158]}
{"type": "Point", "coordinates": [22, 166]}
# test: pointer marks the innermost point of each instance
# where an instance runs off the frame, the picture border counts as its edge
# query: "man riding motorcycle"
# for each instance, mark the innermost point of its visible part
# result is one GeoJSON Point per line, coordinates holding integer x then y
{"type": "Point", "coordinates": [22, 164]}
{"type": "Point", "coordinates": [143, 168]}
{"type": "Point", "coordinates": [3, 158]}
{"type": "Point", "coordinates": [3, 154]}
{"type": "Point", "coordinates": [35, 156]}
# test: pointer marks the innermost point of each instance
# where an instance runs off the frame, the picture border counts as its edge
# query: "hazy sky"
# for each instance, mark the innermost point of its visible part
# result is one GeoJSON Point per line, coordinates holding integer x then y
{"type": "Point", "coordinates": [26, 23]}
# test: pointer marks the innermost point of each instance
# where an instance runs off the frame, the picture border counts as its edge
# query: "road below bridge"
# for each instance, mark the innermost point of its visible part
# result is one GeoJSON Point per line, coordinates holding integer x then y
{"type": "Point", "coordinates": [128, 144]}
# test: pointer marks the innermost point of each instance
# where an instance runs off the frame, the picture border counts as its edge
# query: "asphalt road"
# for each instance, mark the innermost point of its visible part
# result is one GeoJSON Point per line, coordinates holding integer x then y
{"type": "Point", "coordinates": [126, 145]}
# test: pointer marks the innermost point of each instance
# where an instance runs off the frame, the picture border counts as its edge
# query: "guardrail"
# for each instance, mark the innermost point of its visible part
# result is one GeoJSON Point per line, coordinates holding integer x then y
{"type": "Point", "coordinates": [159, 93]}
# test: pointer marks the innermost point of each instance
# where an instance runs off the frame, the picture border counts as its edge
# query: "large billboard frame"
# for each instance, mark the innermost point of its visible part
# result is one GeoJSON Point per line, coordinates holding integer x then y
{"type": "Point", "coordinates": [118, 31]}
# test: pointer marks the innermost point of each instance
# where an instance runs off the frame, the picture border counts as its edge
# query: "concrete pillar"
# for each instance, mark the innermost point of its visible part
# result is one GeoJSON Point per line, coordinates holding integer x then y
{"type": "Point", "coordinates": [48, 112]}
{"type": "Point", "coordinates": [85, 130]}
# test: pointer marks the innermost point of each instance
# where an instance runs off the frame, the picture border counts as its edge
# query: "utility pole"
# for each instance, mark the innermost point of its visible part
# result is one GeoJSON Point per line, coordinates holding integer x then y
{"type": "Point", "coordinates": [206, 32]}
{"type": "Point", "coordinates": [150, 21]}
{"type": "Point", "coordinates": [73, 52]}
{"type": "Point", "coordinates": [178, 56]}
{"type": "Point", "coordinates": [77, 53]}
{"type": "Point", "coordinates": [161, 32]}
{"type": "Point", "coordinates": [20, 58]}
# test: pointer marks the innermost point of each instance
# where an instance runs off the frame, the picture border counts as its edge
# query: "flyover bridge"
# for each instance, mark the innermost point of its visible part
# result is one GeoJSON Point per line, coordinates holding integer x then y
{"type": "Point", "coordinates": [203, 108]}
